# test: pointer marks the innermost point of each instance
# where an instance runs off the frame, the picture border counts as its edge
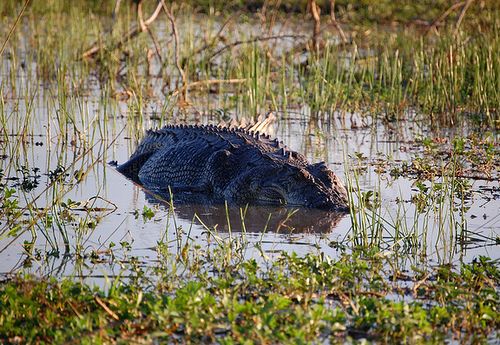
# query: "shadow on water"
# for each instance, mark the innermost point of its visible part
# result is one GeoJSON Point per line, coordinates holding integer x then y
{"type": "Point", "coordinates": [208, 213]}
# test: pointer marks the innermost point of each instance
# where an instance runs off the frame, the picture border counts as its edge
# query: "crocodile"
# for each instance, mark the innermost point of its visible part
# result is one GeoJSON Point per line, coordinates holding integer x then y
{"type": "Point", "coordinates": [234, 165]}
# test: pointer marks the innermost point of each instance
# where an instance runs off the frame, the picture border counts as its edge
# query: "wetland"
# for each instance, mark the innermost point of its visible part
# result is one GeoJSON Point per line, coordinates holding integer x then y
{"type": "Point", "coordinates": [400, 100]}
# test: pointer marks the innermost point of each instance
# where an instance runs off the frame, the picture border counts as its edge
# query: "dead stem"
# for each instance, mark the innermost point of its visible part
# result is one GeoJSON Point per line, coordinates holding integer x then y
{"type": "Point", "coordinates": [106, 308]}
{"type": "Point", "coordinates": [13, 27]}
{"type": "Point", "coordinates": [145, 28]}
{"type": "Point", "coordinates": [462, 15]}
{"type": "Point", "coordinates": [170, 16]}
{"type": "Point", "coordinates": [253, 40]}
{"type": "Point", "coordinates": [335, 23]}
{"type": "Point", "coordinates": [96, 47]}
{"type": "Point", "coordinates": [444, 15]}
{"type": "Point", "coordinates": [315, 11]}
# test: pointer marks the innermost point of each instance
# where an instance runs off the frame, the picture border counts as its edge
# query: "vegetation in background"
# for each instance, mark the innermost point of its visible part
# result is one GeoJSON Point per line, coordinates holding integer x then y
{"type": "Point", "coordinates": [445, 65]}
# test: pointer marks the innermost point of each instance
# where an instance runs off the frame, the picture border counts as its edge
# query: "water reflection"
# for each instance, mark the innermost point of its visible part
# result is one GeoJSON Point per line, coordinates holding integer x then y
{"type": "Point", "coordinates": [201, 210]}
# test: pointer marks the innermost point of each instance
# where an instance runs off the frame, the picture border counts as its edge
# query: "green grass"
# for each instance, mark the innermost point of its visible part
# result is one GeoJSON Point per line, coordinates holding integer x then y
{"type": "Point", "coordinates": [294, 300]}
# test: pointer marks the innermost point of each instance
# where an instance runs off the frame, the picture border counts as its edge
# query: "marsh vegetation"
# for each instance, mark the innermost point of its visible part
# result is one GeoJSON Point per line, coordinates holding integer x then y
{"type": "Point", "coordinates": [401, 100]}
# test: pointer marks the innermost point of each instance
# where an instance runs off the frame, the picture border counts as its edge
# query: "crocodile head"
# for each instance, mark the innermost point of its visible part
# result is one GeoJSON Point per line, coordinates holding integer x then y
{"type": "Point", "coordinates": [312, 186]}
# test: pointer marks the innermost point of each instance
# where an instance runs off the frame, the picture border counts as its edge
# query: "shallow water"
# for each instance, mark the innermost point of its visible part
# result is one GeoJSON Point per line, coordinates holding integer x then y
{"type": "Point", "coordinates": [44, 130]}
{"type": "Point", "coordinates": [269, 231]}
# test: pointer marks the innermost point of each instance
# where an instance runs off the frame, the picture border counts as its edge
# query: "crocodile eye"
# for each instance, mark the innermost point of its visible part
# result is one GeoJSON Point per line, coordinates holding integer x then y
{"type": "Point", "coordinates": [271, 196]}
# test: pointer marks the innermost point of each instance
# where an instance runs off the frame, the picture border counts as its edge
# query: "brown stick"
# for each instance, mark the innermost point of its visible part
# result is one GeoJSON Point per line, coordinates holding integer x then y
{"type": "Point", "coordinates": [145, 28]}
{"type": "Point", "coordinates": [462, 14]}
{"type": "Point", "coordinates": [96, 47]}
{"type": "Point", "coordinates": [14, 26]}
{"type": "Point", "coordinates": [419, 283]}
{"type": "Point", "coordinates": [170, 16]}
{"type": "Point", "coordinates": [253, 40]}
{"type": "Point", "coordinates": [445, 14]}
{"type": "Point", "coordinates": [106, 308]}
{"type": "Point", "coordinates": [315, 11]}
{"type": "Point", "coordinates": [116, 8]}
{"type": "Point", "coordinates": [139, 16]}
{"type": "Point", "coordinates": [335, 23]}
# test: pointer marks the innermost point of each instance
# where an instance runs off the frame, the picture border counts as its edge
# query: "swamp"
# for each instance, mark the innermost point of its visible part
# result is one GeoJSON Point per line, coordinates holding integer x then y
{"type": "Point", "coordinates": [400, 99]}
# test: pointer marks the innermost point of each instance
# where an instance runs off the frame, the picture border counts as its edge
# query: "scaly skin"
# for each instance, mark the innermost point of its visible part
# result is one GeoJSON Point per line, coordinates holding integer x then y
{"type": "Point", "coordinates": [234, 165]}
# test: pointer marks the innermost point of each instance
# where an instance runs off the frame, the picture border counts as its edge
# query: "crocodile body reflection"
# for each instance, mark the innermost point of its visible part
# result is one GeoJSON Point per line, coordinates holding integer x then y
{"type": "Point", "coordinates": [255, 218]}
